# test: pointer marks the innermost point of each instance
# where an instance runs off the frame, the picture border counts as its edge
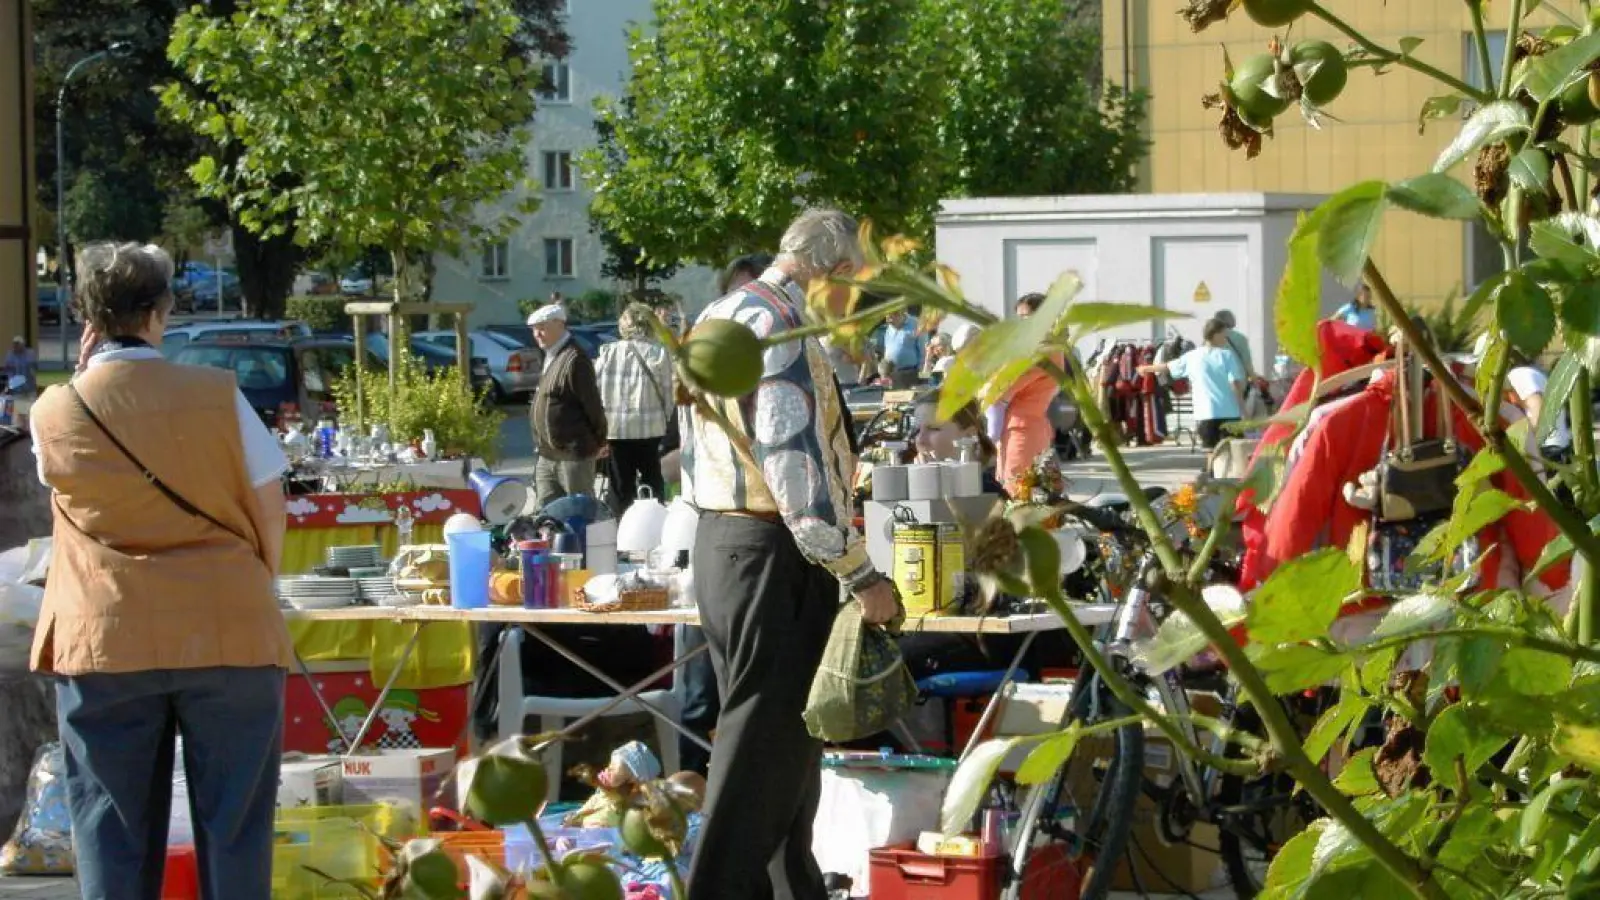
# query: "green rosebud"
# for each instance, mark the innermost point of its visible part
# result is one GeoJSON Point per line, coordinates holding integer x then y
{"type": "Point", "coordinates": [504, 786]}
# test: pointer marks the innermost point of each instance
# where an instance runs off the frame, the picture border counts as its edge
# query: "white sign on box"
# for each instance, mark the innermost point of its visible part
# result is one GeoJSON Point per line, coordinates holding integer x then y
{"type": "Point", "coordinates": [310, 782]}
{"type": "Point", "coordinates": [411, 778]}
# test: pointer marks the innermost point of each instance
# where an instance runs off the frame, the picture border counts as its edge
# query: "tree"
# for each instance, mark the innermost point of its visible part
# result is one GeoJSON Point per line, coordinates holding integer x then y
{"type": "Point", "coordinates": [380, 124]}
{"type": "Point", "coordinates": [625, 262]}
{"type": "Point", "coordinates": [738, 111]}
{"type": "Point", "coordinates": [1023, 112]}
{"type": "Point", "coordinates": [111, 207]}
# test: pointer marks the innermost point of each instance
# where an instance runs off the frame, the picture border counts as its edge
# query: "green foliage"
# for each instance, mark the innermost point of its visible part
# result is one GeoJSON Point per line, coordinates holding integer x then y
{"type": "Point", "coordinates": [462, 424]}
{"type": "Point", "coordinates": [593, 305]}
{"type": "Point", "coordinates": [383, 123]}
{"type": "Point", "coordinates": [121, 209]}
{"type": "Point", "coordinates": [737, 112]}
{"type": "Point", "coordinates": [323, 312]}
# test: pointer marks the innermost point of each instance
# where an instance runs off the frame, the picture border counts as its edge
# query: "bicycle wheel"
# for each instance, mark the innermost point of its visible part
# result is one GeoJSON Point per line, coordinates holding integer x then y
{"type": "Point", "coordinates": [1100, 832]}
{"type": "Point", "coordinates": [1257, 816]}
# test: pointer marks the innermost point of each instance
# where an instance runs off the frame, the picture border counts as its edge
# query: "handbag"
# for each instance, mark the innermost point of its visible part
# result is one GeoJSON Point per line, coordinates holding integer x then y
{"type": "Point", "coordinates": [1417, 478]}
{"type": "Point", "coordinates": [144, 470]}
{"type": "Point", "coordinates": [862, 687]}
{"type": "Point", "coordinates": [1391, 545]}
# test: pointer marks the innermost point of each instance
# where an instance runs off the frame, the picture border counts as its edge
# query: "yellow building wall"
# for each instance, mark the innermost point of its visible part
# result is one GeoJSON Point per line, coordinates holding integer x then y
{"type": "Point", "coordinates": [1375, 138]}
{"type": "Point", "coordinates": [16, 172]}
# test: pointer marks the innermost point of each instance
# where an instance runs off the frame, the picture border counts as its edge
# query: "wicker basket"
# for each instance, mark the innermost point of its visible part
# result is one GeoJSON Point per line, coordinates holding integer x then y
{"type": "Point", "coordinates": [648, 599]}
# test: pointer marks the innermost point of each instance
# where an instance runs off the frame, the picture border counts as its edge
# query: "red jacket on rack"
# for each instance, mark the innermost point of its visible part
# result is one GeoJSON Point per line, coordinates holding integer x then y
{"type": "Point", "coordinates": [1310, 510]}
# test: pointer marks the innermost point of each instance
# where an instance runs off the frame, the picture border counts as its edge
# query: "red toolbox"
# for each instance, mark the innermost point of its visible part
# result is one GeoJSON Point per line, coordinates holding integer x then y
{"type": "Point", "coordinates": [181, 878]}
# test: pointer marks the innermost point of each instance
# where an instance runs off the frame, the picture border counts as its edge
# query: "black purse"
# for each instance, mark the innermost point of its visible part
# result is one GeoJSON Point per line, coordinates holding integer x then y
{"type": "Point", "coordinates": [1417, 478]}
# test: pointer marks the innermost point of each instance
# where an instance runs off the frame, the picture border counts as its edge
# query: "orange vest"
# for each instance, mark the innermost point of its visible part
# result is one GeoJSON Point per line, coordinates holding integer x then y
{"type": "Point", "coordinates": [135, 582]}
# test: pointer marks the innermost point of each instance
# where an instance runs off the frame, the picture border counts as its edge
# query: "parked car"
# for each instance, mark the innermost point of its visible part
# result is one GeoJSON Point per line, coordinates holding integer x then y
{"type": "Point", "coordinates": [591, 335]}
{"type": "Point", "coordinates": [177, 336]}
{"type": "Point", "coordinates": [433, 358]}
{"type": "Point", "coordinates": [279, 378]}
{"type": "Point", "coordinates": [198, 286]}
{"type": "Point", "coordinates": [50, 305]}
{"type": "Point", "coordinates": [356, 282]}
{"type": "Point", "coordinates": [513, 368]}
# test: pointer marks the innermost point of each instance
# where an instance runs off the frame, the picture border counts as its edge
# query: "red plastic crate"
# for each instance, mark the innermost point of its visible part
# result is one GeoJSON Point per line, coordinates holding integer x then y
{"type": "Point", "coordinates": [901, 873]}
{"type": "Point", "coordinates": [181, 880]}
{"type": "Point", "coordinates": [1052, 874]}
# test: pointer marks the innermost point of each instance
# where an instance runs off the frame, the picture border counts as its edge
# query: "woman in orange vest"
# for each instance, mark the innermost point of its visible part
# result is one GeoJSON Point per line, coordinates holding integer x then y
{"type": "Point", "coordinates": [1025, 430]}
{"type": "Point", "coordinates": [159, 617]}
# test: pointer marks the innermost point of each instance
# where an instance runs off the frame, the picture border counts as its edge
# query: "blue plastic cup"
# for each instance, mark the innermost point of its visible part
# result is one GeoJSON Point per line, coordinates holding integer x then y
{"type": "Point", "coordinates": [470, 561]}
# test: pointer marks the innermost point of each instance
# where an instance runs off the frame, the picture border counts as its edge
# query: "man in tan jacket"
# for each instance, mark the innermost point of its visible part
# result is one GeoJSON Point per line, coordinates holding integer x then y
{"type": "Point", "coordinates": [159, 614]}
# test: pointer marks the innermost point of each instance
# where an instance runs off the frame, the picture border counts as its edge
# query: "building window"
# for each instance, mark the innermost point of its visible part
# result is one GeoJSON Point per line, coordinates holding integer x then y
{"type": "Point", "coordinates": [557, 86]}
{"type": "Point", "coordinates": [558, 257]}
{"type": "Point", "coordinates": [1497, 55]}
{"type": "Point", "coordinates": [557, 170]}
{"type": "Point", "coordinates": [495, 264]}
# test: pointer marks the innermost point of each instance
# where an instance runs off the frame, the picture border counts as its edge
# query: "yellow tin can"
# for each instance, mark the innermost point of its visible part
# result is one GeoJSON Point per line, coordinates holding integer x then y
{"type": "Point", "coordinates": [929, 564]}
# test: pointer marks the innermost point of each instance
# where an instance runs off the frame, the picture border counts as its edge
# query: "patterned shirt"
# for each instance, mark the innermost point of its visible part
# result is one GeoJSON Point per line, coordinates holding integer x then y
{"type": "Point", "coordinates": [636, 387]}
{"type": "Point", "coordinates": [797, 428]}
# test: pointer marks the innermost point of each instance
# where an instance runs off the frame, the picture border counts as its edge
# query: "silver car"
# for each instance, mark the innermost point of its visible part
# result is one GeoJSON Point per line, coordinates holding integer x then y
{"type": "Point", "coordinates": [514, 368]}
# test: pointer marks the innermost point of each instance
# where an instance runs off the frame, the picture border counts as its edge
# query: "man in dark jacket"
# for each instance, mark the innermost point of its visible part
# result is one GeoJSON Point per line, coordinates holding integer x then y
{"type": "Point", "coordinates": [568, 419]}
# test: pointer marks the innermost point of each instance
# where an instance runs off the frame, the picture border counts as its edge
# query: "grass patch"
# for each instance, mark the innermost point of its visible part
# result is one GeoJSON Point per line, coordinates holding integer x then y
{"type": "Point", "coordinates": [48, 378]}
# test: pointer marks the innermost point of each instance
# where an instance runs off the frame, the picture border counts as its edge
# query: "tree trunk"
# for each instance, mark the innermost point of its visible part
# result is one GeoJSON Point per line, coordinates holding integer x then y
{"type": "Point", "coordinates": [266, 271]}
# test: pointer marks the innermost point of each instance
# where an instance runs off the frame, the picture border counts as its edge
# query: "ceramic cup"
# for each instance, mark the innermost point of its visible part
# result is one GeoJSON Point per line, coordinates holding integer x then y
{"type": "Point", "coordinates": [889, 483]}
{"type": "Point", "coordinates": [924, 482]}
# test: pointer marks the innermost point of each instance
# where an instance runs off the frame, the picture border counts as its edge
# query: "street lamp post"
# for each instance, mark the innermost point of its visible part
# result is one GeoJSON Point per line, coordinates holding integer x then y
{"type": "Point", "coordinates": [120, 48]}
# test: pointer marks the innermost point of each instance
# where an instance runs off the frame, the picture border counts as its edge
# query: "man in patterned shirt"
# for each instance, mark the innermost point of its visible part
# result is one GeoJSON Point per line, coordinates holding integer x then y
{"type": "Point", "coordinates": [774, 548]}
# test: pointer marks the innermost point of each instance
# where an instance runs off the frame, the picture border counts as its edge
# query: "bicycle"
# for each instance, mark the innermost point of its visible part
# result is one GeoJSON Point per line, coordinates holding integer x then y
{"type": "Point", "coordinates": [1253, 816]}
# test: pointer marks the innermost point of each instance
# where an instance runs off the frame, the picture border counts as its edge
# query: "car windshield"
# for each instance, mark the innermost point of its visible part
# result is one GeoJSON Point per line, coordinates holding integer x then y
{"type": "Point", "coordinates": [256, 368]}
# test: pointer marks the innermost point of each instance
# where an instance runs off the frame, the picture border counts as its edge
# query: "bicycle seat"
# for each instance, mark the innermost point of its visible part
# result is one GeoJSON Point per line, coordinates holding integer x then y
{"type": "Point", "coordinates": [1119, 503]}
{"type": "Point", "coordinates": [962, 684]}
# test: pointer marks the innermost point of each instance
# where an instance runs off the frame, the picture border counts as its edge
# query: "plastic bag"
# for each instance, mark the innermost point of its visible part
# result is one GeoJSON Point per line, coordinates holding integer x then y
{"type": "Point", "coordinates": [42, 843]}
{"type": "Point", "coordinates": [19, 614]}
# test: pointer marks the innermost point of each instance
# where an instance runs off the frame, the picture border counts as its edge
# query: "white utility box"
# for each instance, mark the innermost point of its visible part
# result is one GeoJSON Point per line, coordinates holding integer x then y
{"type": "Point", "coordinates": [1192, 253]}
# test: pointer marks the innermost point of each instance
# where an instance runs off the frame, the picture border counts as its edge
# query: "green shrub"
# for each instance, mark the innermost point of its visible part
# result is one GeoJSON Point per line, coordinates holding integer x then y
{"type": "Point", "coordinates": [462, 424]}
{"type": "Point", "coordinates": [322, 312]}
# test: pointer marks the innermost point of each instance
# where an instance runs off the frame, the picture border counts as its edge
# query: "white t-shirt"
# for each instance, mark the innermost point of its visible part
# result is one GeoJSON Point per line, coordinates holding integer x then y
{"type": "Point", "coordinates": [263, 457]}
{"type": "Point", "coordinates": [1528, 381]}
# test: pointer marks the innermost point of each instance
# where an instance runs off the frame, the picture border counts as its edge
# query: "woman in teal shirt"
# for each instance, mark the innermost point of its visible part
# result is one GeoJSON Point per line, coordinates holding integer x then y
{"type": "Point", "coordinates": [1217, 379]}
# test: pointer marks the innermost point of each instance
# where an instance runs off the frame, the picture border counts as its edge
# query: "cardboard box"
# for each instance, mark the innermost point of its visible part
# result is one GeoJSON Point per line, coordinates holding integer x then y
{"type": "Point", "coordinates": [1160, 867]}
{"type": "Point", "coordinates": [411, 778]}
{"type": "Point", "coordinates": [310, 782]}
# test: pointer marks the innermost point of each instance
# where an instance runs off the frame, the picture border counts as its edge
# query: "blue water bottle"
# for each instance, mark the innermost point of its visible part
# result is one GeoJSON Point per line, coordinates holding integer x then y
{"type": "Point", "coordinates": [325, 434]}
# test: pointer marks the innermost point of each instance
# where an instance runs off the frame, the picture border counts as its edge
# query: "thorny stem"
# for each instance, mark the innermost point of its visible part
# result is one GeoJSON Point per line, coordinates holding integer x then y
{"type": "Point", "coordinates": [1575, 652]}
{"type": "Point", "coordinates": [1123, 691]}
{"type": "Point", "coordinates": [1390, 56]}
{"type": "Point", "coordinates": [1513, 31]}
{"type": "Point", "coordinates": [1077, 384]}
{"type": "Point", "coordinates": [1285, 737]}
{"type": "Point", "coordinates": [1480, 38]}
{"type": "Point", "coordinates": [1219, 531]}
{"type": "Point", "coordinates": [1569, 523]}
{"type": "Point", "coordinates": [1463, 799]}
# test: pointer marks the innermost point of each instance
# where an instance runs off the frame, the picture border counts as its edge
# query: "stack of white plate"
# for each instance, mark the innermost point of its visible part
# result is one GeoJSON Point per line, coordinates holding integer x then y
{"type": "Point", "coordinates": [314, 592]}
{"type": "Point", "coordinates": [380, 591]}
{"type": "Point", "coordinates": [355, 556]}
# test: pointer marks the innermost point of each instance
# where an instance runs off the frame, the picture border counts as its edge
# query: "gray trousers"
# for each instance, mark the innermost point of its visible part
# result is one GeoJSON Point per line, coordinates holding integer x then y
{"type": "Point", "coordinates": [766, 612]}
{"type": "Point", "coordinates": [556, 478]}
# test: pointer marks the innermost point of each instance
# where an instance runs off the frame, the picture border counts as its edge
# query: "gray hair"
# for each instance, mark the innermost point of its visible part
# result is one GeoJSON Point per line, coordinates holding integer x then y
{"type": "Point", "coordinates": [1225, 316]}
{"type": "Point", "coordinates": [636, 323]}
{"type": "Point", "coordinates": [121, 286]}
{"type": "Point", "coordinates": [818, 241]}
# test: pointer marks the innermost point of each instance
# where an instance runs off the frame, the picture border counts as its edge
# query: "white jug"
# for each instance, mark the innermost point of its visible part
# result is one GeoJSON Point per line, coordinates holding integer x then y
{"type": "Point", "coordinates": [639, 531]}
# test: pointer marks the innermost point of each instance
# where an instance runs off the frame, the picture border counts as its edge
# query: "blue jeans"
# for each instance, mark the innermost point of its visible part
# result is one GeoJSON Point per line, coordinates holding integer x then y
{"type": "Point", "coordinates": [701, 702]}
{"type": "Point", "coordinates": [117, 733]}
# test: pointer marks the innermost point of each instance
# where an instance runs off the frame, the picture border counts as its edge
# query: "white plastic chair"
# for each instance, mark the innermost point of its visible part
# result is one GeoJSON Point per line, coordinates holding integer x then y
{"type": "Point", "coordinates": [555, 712]}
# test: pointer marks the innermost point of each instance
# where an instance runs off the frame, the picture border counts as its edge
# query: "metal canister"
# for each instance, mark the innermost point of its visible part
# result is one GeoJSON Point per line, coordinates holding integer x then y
{"type": "Point", "coordinates": [919, 569]}
{"type": "Point", "coordinates": [952, 568]}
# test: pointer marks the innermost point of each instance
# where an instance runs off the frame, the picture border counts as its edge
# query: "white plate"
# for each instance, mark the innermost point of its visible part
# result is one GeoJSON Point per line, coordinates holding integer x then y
{"type": "Point", "coordinates": [310, 603]}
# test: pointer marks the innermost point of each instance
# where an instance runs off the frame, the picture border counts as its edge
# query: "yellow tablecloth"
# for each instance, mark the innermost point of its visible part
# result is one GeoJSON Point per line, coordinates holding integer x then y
{"type": "Point", "coordinates": [444, 652]}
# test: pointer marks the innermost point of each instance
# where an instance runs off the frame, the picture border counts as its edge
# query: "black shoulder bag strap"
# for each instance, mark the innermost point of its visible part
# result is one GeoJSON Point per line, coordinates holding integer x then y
{"type": "Point", "coordinates": [150, 476]}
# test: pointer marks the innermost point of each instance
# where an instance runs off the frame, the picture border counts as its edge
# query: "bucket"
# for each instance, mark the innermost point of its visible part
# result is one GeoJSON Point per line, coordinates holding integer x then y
{"type": "Point", "coordinates": [503, 498]}
{"type": "Point", "coordinates": [471, 558]}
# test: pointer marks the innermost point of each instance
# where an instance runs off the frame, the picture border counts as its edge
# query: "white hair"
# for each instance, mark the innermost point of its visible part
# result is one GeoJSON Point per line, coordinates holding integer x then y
{"type": "Point", "coordinates": [818, 241]}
